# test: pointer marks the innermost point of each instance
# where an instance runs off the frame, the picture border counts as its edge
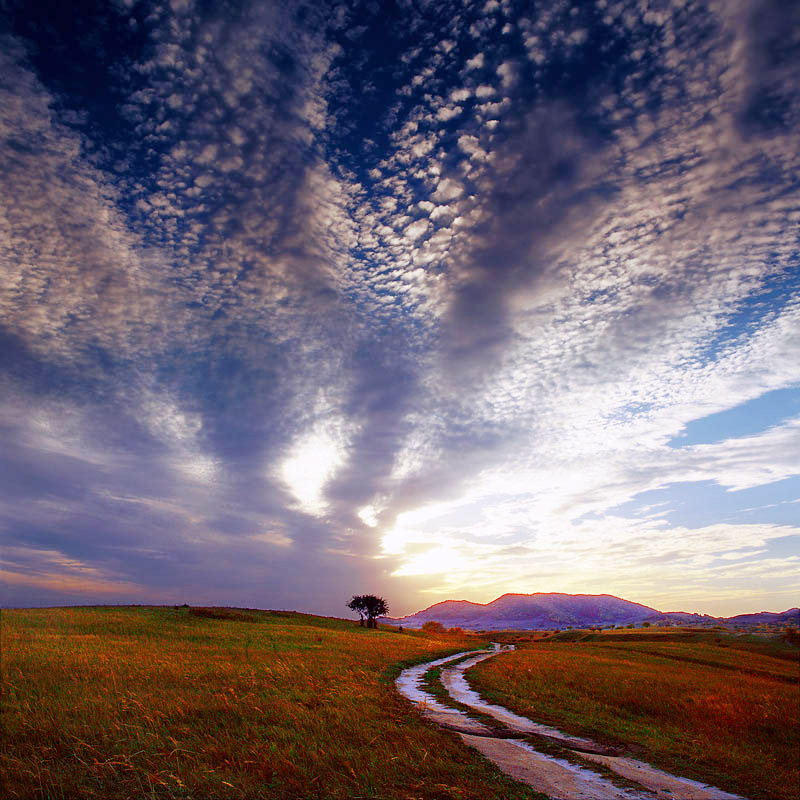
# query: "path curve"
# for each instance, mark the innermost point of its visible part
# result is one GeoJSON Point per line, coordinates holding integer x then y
{"type": "Point", "coordinates": [558, 778]}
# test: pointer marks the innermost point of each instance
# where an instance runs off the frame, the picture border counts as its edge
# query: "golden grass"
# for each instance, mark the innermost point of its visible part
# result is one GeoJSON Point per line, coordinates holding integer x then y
{"type": "Point", "coordinates": [706, 708]}
{"type": "Point", "coordinates": [160, 702]}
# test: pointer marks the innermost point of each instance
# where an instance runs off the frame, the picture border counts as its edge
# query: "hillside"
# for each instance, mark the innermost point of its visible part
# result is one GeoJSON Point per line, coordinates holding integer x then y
{"type": "Point", "coordinates": [215, 703]}
{"type": "Point", "coordinates": [789, 617]}
{"type": "Point", "coordinates": [547, 611]}
{"type": "Point", "coordinates": [531, 611]}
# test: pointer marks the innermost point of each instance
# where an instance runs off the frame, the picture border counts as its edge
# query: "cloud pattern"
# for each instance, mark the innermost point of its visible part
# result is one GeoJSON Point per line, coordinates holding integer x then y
{"type": "Point", "coordinates": [306, 298]}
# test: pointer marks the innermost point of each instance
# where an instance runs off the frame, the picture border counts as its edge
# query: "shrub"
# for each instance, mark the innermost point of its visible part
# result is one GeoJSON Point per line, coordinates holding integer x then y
{"type": "Point", "coordinates": [432, 626]}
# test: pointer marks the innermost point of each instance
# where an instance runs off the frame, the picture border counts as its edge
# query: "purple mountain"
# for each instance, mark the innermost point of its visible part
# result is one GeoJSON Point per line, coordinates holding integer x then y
{"type": "Point", "coordinates": [542, 611]}
{"type": "Point", "coordinates": [530, 611]}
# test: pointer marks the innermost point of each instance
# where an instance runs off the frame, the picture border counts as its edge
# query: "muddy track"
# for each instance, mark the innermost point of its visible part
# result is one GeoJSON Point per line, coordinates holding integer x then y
{"type": "Point", "coordinates": [586, 773]}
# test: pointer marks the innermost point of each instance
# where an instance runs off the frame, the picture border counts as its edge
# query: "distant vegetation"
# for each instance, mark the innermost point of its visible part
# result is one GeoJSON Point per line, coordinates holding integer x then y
{"type": "Point", "coordinates": [705, 704]}
{"type": "Point", "coordinates": [432, 626]}
{"type": "Point", "coordinates": [222, 703]}
{"type": "Point", "coordinates": [435, 628]}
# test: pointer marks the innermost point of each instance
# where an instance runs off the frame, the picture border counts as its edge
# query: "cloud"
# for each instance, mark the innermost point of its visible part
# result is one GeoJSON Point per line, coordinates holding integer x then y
{"type": "Point", "coordinates": [258, 314]}
{"type": "Point", "coordinates": [447, 189]}
{"type": "Point", "coordinates": [313, 460]}
{"type": "Point", "coordinates": [446, 113]}
{"type": "Point", "coordinates": [69, 275]}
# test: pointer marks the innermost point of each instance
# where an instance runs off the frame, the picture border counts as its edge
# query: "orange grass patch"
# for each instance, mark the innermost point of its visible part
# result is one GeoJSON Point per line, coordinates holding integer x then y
{"type": "Point", "coordinates": [699, 709]}
{"type": "Point", "coordinates": [158, 702]}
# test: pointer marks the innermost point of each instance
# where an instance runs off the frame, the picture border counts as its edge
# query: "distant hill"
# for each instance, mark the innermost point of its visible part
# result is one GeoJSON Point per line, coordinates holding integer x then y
{"type": "Point", "coordinates": [546, 611]}
{"type": "Point", "coordinates": [531, 611]}
{"type": "Point", "coordinates": [790, 617]}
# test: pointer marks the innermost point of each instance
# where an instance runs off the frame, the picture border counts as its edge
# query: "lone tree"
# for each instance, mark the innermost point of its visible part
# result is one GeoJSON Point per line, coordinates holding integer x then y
{"type": "Point", "coordinates": [357, 605]}
{"type": "Point", "coordinates": [369, 608]}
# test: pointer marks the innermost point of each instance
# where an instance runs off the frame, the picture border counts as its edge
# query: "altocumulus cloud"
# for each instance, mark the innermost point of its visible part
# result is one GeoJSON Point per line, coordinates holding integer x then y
{"type": "Point", "coordinates": [306, 298]}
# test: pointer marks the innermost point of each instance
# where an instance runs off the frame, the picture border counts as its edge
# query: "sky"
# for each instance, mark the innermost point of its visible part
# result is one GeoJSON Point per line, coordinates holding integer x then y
{"type": "Point", "coordinates": [423, 299]}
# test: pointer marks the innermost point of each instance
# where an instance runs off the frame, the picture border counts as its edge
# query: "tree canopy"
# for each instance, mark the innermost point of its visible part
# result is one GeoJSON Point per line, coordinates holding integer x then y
{"type": "Point", "coordinates": [369, 608]}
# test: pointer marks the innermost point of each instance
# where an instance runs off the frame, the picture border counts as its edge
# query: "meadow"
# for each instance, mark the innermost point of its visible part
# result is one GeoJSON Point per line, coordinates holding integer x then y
{"type": "Point", "coordinates": [707, 705]}
{"type": "Point", "coordinates": [193, 703]}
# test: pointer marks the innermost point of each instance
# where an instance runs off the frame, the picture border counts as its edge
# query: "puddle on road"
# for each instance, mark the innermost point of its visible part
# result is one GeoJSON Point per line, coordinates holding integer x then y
{"type": "Point", "coordinates": [409, 682]}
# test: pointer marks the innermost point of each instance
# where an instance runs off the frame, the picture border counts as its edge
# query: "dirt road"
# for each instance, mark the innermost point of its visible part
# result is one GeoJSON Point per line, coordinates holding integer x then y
{"type": "Point", "coordinates": [512, 744]}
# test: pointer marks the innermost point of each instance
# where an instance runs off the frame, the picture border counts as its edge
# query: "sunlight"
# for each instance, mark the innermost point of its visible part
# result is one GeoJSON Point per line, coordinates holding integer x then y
{"type": "Point", "coordinates": [409, 526]}
{"type": "Point", "coordinates": [433, 562]}
{"type": "Point", "coordinates": [312, 462]}
{"type": "Point", "coordinates": [369, 516]}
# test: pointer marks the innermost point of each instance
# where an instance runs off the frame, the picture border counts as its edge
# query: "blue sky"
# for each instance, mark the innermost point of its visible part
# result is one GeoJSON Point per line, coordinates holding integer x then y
{"type": "Point", "coordinates": [432, 300]}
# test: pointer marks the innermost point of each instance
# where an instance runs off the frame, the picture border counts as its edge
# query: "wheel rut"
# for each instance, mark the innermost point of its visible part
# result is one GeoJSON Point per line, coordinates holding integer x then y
{"type": "Point", "coordinates": [586, 773]}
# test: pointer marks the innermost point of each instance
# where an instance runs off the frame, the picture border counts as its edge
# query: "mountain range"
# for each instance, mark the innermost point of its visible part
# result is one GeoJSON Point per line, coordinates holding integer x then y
{"type": "Point", "coordinates": [546, 611]}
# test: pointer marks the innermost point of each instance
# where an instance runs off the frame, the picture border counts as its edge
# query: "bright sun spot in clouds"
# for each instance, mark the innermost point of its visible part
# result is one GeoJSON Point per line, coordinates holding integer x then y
{"type": "Point", "coordinates": [369, 516]}
{"type": "Point", "coordinates": [312, 461]}
{"type": "Point", "coordinates": [410, 527]}
{"type": "Point", "coordinates": [433, 562]}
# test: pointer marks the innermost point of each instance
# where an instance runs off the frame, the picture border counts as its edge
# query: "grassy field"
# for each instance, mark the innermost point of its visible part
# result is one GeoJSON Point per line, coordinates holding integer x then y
{"type": "Point", "coordinates": [706, 705]}
{"type": "Point", "coordinates": [185, 703]}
